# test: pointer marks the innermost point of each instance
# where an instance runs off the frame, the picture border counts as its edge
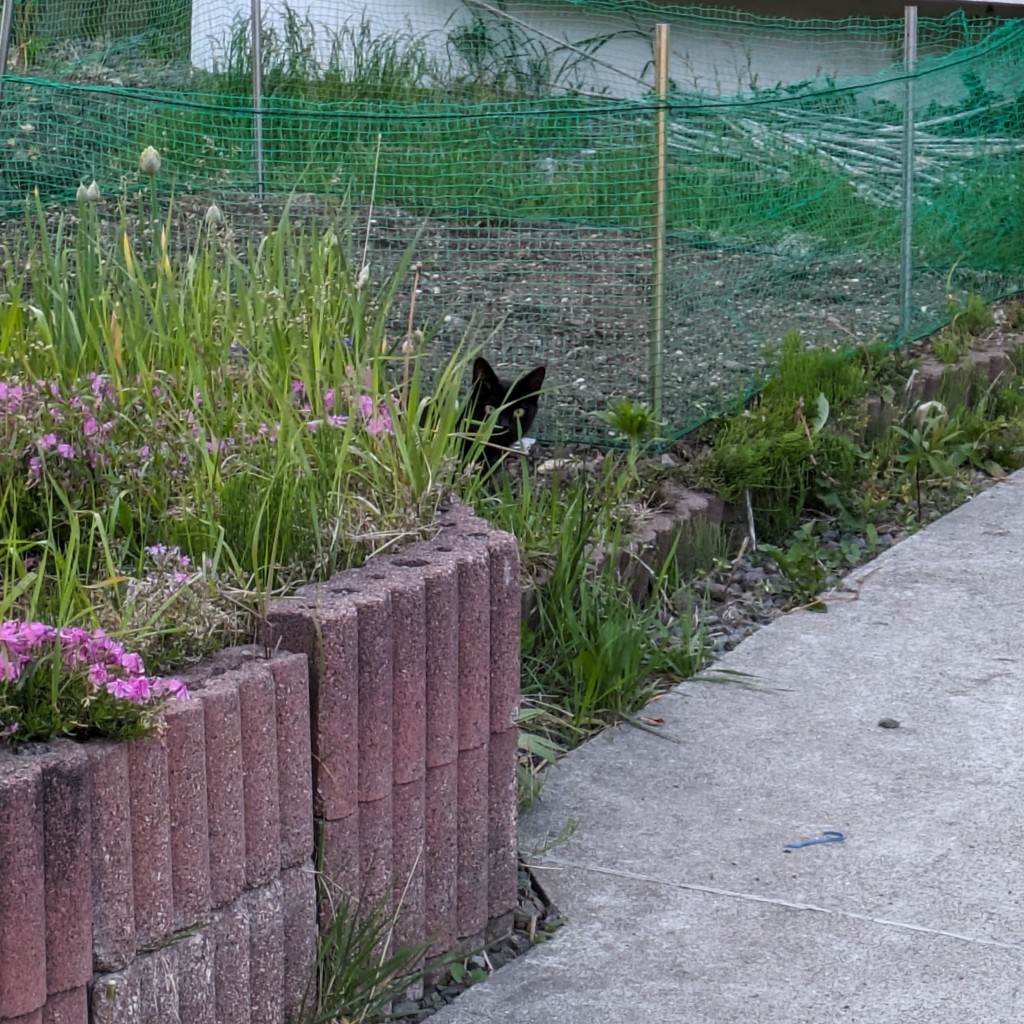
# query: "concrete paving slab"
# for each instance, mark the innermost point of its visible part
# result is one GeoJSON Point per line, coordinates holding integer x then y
{"type": "Point", "coordinates": [683, 905]}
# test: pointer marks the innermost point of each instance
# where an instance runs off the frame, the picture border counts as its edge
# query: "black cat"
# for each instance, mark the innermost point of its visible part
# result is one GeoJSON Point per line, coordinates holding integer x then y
{"type": "Point", "coordinates": [515, 403]}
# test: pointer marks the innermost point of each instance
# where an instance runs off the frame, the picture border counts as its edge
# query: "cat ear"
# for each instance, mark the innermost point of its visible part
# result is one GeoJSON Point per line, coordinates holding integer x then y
{"type": "Point", "coordinates": [482, 372]}
{"type": "Point", "coordinates": [532, 382]}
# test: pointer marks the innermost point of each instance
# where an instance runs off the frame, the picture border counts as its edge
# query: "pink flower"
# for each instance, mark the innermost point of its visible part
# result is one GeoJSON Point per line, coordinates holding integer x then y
{"type": "Point", "coordinates": [35, 468]}
{"type": "Point", "coordinates": [66, 451]}
{"type": "Point", "coordinates": [48, 441]}
{"type": "Point", "coordinates": [90, 427]}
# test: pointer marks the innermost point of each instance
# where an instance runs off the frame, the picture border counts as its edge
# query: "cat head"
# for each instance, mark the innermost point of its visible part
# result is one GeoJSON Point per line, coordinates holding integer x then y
{"type": "Point", "coordinates": [514, 402]}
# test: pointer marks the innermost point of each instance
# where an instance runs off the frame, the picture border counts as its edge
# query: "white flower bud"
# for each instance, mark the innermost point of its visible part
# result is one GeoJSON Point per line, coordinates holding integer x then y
{"type": "Point", "coordinates": [92, 193]}
{"type": "Point", "coordinates": [213, 215]}
{"type": "Point", "coordinates": [149, 162]}
{"type": "Point", "coordinates": [363, 278]}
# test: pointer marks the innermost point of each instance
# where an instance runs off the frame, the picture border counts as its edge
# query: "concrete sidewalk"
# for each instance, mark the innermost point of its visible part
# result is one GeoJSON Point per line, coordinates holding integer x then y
{"type": "Point", "coordinates": [683, 906]}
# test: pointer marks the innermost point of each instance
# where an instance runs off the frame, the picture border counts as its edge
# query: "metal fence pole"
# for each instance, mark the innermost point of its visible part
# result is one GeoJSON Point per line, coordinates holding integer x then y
{"type": "Point", "coordinates": [256, 23]}
{"type": "Point", "coordinates": [657, 353]}
{"type": "Point", "coordinates": [907, 234]}
{"type": "Point", "coordinates": [6, 17]}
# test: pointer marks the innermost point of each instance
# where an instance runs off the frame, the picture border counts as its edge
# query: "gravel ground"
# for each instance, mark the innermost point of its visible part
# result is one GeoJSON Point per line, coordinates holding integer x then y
{"type": "Point", "coordinates": [578, 300]}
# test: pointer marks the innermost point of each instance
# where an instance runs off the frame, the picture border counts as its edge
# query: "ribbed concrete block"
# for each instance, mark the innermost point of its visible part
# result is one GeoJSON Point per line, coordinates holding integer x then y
{"type": "Point", "coordinates": [229, 934]}
{"type": "Point", "coordinates": [158, 976]}
{"type": "Point", "coordinates": [116, 998]}
{"type": "Point", "coordinates": [71, 1007]}
{"type": "Point", "coordinates": [22, 901]}
{"type": "Point", "coordinates": [376, 707]}
{"type": "Point", "coordinates": [441, 792]}
{"type": "Point", "coordinates": [149, 796]}
{"type": "Point", "coordinates": [225, 807]}
{"type": "Point", "coordinates": [321, 623]}
{"type": "Point", "coordinates": [409, 677]}
{"type": "Point", "coordinates": [474, 648]}
{"type": "Point", "coordinates": [113, 887]}
{"type": "Point", "coordinates": [473, 835]}
{"type": "Point", "coordinates": [190, 834]}
{"type": "Point", "coordinates": [197, 997]}
{"type": "Point", "coordinates": [506, 635]}
{"type": "Point", "coordinates": [442, 664]}
{"type": "Point", "coordinates": [502, 815]}
{"type": "Point", "coordinates": [36, 1017]}
{"type": "Point", "coordinates": [298, 895]}
{"type": "Point", "coordinates": [259, 780]}
{"type": "Point", "coordinates": [410, 855]}
{"type": "Point", "coordinates": [266, 953]}
{"type": "Point", "coordinates": [67, 859]}
{"type": "Point", "coordinates": [294, 757]}
{"type": "Point", "coordinates": [339, 842]}
{"type": "Point", "coordinates": [376, 859]}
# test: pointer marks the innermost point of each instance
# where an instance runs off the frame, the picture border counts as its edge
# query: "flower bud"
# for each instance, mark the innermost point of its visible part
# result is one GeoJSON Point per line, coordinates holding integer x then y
{"type": "Point", "coordinates": [363, 278]}
{"type": "Point", "coordinates": [213, 215]}
{"type": "Point", "coordinates": [149, 162]}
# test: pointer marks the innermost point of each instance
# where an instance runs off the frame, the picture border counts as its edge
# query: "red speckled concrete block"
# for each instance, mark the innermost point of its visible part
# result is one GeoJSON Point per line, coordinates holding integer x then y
{"type": "Point", "coordinates": [151, 839]}
{"type": "Point", "coordinates": [259, 778]}
{"type": "Point", "coordinates": [157, 975]}
{"type": "Point", "coordinates": [506, 635]}
{"type": "Point", "coordinates": [71, 1007]}
{"type": "Point", "coordinates": [474, 649]}
{"type": "Point", "coordinates": [22, 902]}
{"type": "Point", "coordinates": [502, 841]}
{"type": "Point", "coordinates": [222, 726]}
{"type": "Point", "coordinates": [442, 664]}
{"type": "Point", "coordinates": [190, 835]}
{"type": "Point", "coordinates": [471, 886]}
{"type": "Point", "coordinates": [375, 697]}
{"type": "Point", "coordinates": [409, 678]}
{"type": "Point", "coordinates": [294, 759]}
{"type": "Point", "coordinates": [441, 813]}
{"type": "Point", "coordinates": [376, 864]}
{"type": "Point", "coordinates": [339, 841]}
{"type": "Point", "coordinates": [321, 624]}
{"type": "Point", "coordinates": [298, 894]}
{"type": "Point", "coordinates": [410, 854]}
{"type": "Point", "coordinates": [197, 999]}
{"type": "Point", "coordinates": [229, 934]}
{"type": "Point", "coordinates": [113, 888]}
{"type": "Point", "coordinates": [266, 953]}
{"type": "Point", "coordinates": [67, 864]}
{"type": "Point", "coordinates": [117, 999]}
{"type": "Point", "coordinates": [36, 1017]}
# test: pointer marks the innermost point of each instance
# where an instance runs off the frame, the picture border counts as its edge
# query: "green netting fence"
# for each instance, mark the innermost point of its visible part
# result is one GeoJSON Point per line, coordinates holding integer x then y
{"type": "Point", "coordinates": [518, 142]}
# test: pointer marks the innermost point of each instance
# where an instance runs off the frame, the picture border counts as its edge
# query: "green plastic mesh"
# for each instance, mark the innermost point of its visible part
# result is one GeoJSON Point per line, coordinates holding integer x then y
{"type": "Point", "coordinates": [517, 142]}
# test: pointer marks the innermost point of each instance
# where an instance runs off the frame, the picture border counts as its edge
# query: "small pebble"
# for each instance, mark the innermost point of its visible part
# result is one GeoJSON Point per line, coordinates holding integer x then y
{"type": "Point", "coordinates": [888, 723]}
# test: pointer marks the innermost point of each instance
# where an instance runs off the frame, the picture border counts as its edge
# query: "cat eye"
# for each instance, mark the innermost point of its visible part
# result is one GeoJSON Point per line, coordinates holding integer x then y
{"type": "Point", "coordinates": [488, 409]}
{"type": "Point", "coordinates": [518, 413]}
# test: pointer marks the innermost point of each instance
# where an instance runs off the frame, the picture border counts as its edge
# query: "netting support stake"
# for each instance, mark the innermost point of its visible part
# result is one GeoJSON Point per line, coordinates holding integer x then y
{"type": "Point", "coordinates": [907, 232]}
{"type": "Point", "coordinates": [657, 353]}
{"type": "Point", "coordinates": [256, 24]}
{"type": "Point", "coordinates": [6, 17]}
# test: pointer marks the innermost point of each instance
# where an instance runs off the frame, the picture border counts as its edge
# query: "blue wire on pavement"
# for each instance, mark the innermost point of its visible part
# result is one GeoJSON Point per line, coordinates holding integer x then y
{"type": "Point", "coordinates": [826, 837]}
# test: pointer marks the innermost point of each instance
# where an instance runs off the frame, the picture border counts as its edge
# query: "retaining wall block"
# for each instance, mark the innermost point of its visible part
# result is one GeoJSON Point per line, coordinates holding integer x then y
{"type": "Point", "coordinates": [35, 1017]}
{"type": "Point", "coordinates": [22, 900]}
{"type": "Point", "coordinates": [338, 841]}
{"type": "Point", "coordinates": [409, 854]}
{"type": "Point", "coordinates": [319, 622]}
{"type": "Point", "coordinates": [197, 997]}
{"type": "Point", "coordinates": [67, 856]}
{"type": "Point", "coordinates": [259, 780]}
{"type": "Point", "coordinates": [441, 814]}
{"type": "Point", "coordinates": [474, 649]}
{"type": "Point", "coordinates": [506, 633]}
{"type": "Point", "coordinates": [185, 739]}
{"type": "Point", "coordinates": [376, 708]}
{"type": "Point", "coordinates": [376, 858]}
{"type": "Point", "coordinates": [266, 953]}
{"type": "Point", "coordinates": [151, 839]}
{"type": "Point", "coordinates": [158, 976]}
{"type": "Point", "coordinates": [229, 934]}
{"type": "Point", "coordinates": [113, 887]}
{"type": "Point", "coordinates": [116, 998]}
{"type": "Point", "coordinates": [298, 895]}
{"type": "Point", "coordinates": [294, 757]}
{"type": "Point", "coordinates": [70, 1007]}
{"type": "Point", "coordinates": [502, 842]}
{"type": "Point", "coordinates": [442, 663]}
{"type": "Point", "coordinates": [409, 674]}
{"type": "Point", "coordinates": [471, 886]}
{"type": "Point", "coordinates": [222, 726]}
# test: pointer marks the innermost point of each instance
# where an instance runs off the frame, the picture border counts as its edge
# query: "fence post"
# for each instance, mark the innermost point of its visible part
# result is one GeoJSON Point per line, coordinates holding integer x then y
{"type": "Point", "coordinates": [907, 233]}
{"type": "Point", "coordinates": [256, 24]}
{"type": "Point", "coordinates": [6, 18]}
{"type": "Point", "coordinates": [657, 352]}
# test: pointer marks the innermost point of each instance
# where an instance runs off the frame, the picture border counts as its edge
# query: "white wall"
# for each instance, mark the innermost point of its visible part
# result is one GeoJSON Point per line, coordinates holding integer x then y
{"type": "Point", "coordinates": [722, 59]}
